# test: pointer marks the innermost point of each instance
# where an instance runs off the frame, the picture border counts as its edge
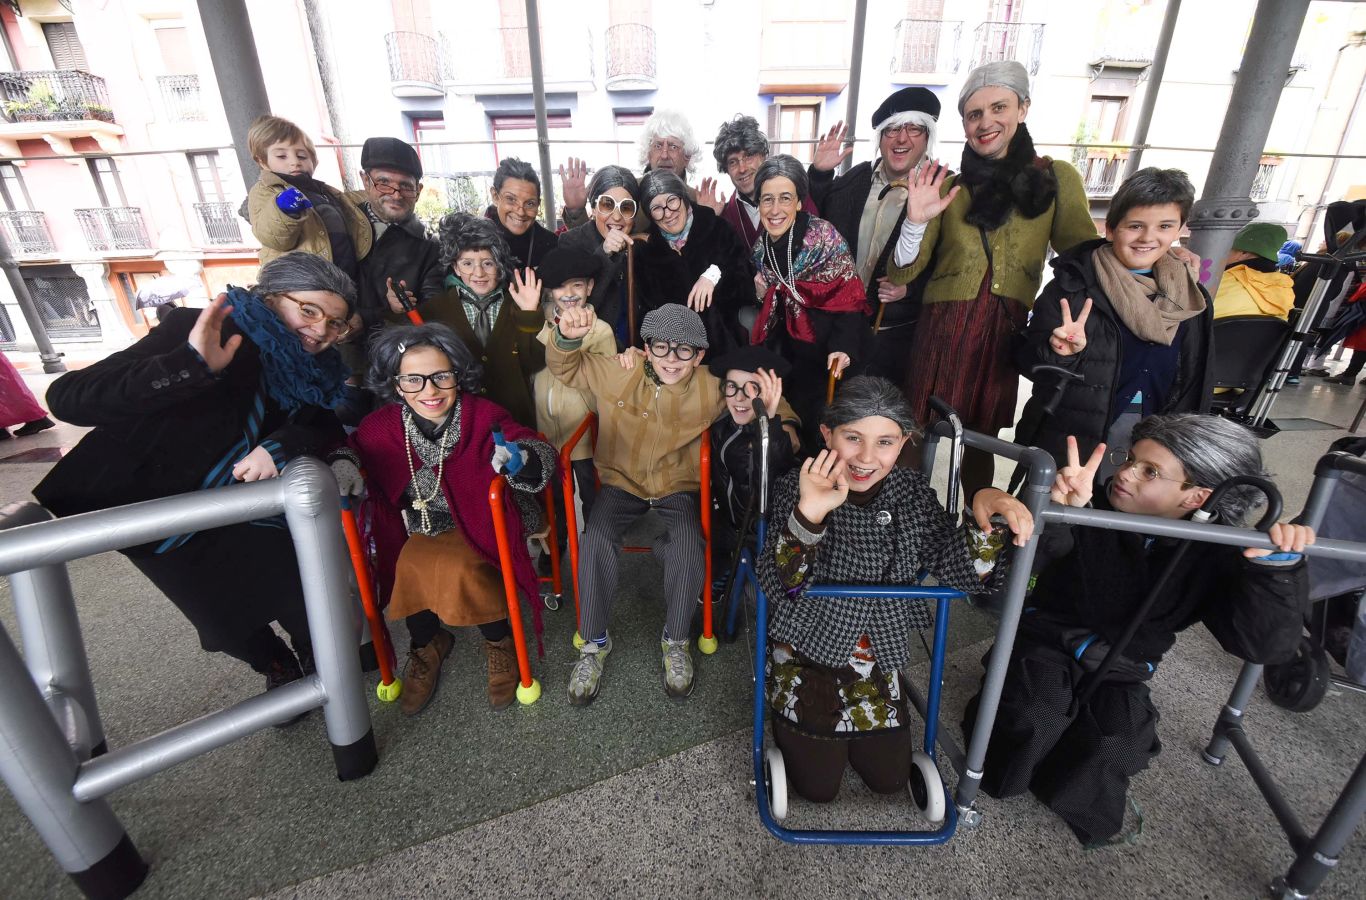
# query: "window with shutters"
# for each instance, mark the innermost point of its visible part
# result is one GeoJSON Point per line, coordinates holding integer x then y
{"type": "Point", "coordinates": [65, 46]}
{"type": "Point", "coordinates": [12, 189]}
{"type": "Point", "coordinates": [108, 185]}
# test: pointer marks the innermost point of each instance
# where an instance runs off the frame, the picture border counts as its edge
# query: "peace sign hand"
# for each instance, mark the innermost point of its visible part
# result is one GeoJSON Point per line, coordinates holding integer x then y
{"type": "Point", "coordinates": [922, 194]}
{"type": "Point", "coordinates": [1069, 338]}
{"type": "Point", "coordinates": [822, 487]}
{"type": "Point", "coordinates": [1075, 482]}
{"type": "Point", "coordinates": [207, 336]}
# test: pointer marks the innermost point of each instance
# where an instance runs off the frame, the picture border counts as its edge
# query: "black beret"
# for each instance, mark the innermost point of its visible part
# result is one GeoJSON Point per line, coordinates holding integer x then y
{"type": "Point", "coordinates": [911, 99]}
{"type": "Point", "coordinates": [564, 263]}
{"type": "Point", "coordinates": [390, 153]}
{"type": "Point", "coordinates": [750, 358]}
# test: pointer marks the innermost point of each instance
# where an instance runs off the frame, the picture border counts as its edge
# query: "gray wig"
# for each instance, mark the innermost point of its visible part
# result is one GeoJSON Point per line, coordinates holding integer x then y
{"type": "Point", "coordinates": [512, 167]}
{"type": "Point", "coordinates": [388, 346]}
{"type": "Point", "coordinates": [1211, 449]}
{"type": "Point", "coordinates": [665, 124]}
{"type": "Point", "coordinates": [608, 177]}
{"type": "Point", "coordinates": [300, 271]}
{"type": "Point", "coordinates": [869, 395]}
{"type": "Point", "coordinates": [660, 183]}
{"type": "Point", "coordinates": [783, 166]}
{"type": "Point", "coordinates": [462, 231]}
{"type": "Point", "coordinates": [740, 135]}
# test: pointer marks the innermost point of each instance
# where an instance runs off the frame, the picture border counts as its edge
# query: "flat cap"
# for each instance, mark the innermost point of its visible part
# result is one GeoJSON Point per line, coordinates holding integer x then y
{"type": "Point", "coordinates": [674, 322]}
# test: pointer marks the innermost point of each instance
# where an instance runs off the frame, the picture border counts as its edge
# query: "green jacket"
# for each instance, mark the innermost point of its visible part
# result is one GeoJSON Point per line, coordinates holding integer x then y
{"type": "Point", "coordinates": [512, 356]}
{"type": "Point", "coordinates": [1018, 248]}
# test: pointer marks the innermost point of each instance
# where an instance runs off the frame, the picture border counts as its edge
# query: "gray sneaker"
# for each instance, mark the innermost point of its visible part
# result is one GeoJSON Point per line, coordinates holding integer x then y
{"type": "Point", "coordinates": [586, 675]}
{"type": "Point", "coordinates": [678, 680]}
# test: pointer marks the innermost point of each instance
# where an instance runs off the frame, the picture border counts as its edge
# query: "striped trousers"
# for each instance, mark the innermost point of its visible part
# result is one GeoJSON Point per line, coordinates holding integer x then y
{"type": "Point", "coordinates": [682, 554]}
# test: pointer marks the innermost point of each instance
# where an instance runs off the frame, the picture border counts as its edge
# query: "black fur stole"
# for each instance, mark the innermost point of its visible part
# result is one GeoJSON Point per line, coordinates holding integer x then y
{"type": "Point", "coordinates": [1015, 183]}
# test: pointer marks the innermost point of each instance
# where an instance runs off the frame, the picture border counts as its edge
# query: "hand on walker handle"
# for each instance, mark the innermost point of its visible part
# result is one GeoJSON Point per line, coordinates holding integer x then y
{"type": "Point", "coordinates": [922, 194]}
{"type": "Point", "coordinates": [1075, 483]}
{"type": "Point", "coordinates": [396, 300]}
{"type": "Point", "coordinates": [991, 501]}
{"type": "Point", "coordinates": [1070, 337]}
{"type": "Point", "coordinates": [822, 487]}
{"type": "Point", "coordinates": [1287, 538]}
{"type": "Point", "coordinates": [508, 458]}
{"type": "Point", "coordinates": [350, 482]}
{"type": "Point", "coordinates": [258, 465]}
{"type": "Point", "coordinates": [207, 335]}
{"type": "Point", "coordinates": [576, 322]}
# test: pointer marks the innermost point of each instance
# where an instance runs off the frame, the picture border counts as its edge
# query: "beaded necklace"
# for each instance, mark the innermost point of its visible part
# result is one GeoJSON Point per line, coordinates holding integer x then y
{"type": "Point", "coordinates": [420, 503]}
{"type": "Point", "coordinates": [771, 259]}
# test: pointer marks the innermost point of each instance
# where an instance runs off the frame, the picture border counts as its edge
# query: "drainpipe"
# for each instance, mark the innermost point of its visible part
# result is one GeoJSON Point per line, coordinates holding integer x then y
{"type": "Point", "coordinates": [232, 50]}
{"type": "Point", "coordinates": [533, 37]}
{"type": "Point", "coordinates": [52, 360]}
{"type": "Point", "coordinates": [1226, 205]}
{"type": "Point", "coordinates": [1155, 72]}
{"type": "Point", "coordinates": [855, 76]}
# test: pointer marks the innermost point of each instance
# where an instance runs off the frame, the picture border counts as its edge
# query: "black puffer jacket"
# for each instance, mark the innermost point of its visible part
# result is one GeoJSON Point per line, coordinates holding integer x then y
{"type": "Point", "coordinates": [1086, 410]}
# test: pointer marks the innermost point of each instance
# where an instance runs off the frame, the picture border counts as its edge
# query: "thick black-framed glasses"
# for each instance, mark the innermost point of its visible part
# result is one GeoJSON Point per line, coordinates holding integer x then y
{"type": "Point", "coordinates": [413, 384]}
{"type": "Point", "coordinates": [661, 349]}
{"type": "Point", "coordinates": [671, 205]}
{"type": "Point", "coordinates": [749, 389]}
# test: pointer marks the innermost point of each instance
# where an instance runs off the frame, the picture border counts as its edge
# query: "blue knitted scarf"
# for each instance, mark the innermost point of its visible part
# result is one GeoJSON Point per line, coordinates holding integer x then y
{"type": "Point", "coordinates": [292, 376]}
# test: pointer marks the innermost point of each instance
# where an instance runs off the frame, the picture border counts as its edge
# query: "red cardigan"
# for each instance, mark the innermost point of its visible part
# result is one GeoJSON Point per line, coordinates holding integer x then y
{"type": "Point", "coordinates": [465, 480]}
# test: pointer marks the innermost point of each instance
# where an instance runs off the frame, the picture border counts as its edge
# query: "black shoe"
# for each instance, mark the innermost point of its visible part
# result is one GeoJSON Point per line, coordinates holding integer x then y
{"type": "Point", "coordinates": [34, 427]}
{"type": "Point", "coordinates": [280, 673]}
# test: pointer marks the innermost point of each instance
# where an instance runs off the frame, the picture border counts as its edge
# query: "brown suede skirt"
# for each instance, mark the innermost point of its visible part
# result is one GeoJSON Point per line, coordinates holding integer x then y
{"type": "Point", "coordinates": [445, 575]}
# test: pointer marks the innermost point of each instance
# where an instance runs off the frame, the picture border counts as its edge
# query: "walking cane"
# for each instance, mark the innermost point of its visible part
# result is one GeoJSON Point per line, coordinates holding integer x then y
{"type": "Point", "coordinates": [830, 383]}
{"type": "Point", "coordinates": [408, 308]}
{"type": "Point", "coordinates": [389, 687]}
{"type": "Point", "coordinates": [630, 295]}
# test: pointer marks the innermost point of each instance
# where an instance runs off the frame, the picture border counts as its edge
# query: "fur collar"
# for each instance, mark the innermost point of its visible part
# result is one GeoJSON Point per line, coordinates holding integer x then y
{"type": "Point", "coordinates": [1020, 182]}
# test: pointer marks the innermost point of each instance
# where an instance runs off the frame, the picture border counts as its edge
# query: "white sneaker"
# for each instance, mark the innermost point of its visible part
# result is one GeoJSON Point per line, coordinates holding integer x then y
{"type": "Point", "coordinates": [586, 676]}
{"type": "Point", "coordinates": [678, 672]}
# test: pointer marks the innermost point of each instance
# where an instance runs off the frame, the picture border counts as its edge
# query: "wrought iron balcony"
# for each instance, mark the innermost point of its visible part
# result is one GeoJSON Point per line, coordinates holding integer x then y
{"type": "Point", "coordinates": [26, 233]}
{"type": "Point", "coordinates": [180, 94]}
{"type": "Point", "coordinates": [54, 96]}
{"type": "Point", "coordinates": [219, 221]}
{"type": "Point", "coordinates": [1020, 41]}
{"type": "Point", "coordinates": [630, 57]}
{"type": "Point", "coordinates": [417, 64]}
{"type": "Point", "coordinates": [1103, 173]}
{"type": "Point", "coordinates": [926, 47]}
{"type": "Point", "coordinates": [109, 228]}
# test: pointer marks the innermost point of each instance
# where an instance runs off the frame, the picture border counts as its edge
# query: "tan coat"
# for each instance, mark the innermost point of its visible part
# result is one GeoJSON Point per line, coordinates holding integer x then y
{"type": "Point", "coordinates": [279, 233]}
{"type": "Point", "coordinates": [559, 407]}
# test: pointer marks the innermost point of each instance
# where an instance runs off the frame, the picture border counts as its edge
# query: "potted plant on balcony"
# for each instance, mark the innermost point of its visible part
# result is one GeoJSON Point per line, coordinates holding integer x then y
{"type": "Point", "coordinates": [39, 104]}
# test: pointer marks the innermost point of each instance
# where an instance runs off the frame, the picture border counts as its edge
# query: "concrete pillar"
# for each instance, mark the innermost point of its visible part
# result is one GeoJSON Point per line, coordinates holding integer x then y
{"type": "Point", "coordinates": [232, 50]}
{"type": "Point", "coordinates": [1226, 205]}
{"type": "Point", "coordinates": [114, 331]}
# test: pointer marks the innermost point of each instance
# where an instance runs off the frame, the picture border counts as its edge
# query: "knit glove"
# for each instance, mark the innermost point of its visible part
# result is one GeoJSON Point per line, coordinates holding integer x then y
{"type": "Point", "coordinates": [292, 202]}
{"type": "Point", "coordinates": [349, 480]}
{"type": "Point", "coordinates": [506, 462]}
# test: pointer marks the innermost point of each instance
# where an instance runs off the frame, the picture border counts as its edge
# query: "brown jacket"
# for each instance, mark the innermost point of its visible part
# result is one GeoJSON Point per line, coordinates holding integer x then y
{"type": "Point", "coordinates": [560, 408]}
{"type": "Point", "coordinates": [279, 233]}
{"type": "Point", "coordinates": [512, 356]}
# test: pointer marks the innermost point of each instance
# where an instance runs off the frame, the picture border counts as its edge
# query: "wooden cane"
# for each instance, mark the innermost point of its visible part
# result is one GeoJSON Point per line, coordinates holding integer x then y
{"type": "Point", "coordinates": [830, 384]}
{"type": "Point", "coordinates": [630, 295]}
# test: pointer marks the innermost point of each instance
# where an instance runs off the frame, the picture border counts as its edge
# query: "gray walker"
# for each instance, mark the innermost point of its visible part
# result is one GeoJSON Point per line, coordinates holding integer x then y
{"type": "Point", "coordinates": [53, 753]}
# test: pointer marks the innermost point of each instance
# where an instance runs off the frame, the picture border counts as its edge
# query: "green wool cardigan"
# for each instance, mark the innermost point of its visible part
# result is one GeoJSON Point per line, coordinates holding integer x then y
{"type": "Point", "coordinates": [1018, 247]}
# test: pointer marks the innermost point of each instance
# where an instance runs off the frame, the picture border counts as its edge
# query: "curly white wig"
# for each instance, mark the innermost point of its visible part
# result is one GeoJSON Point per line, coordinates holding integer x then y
{"type": "Point", "coordinates": [669, 123]}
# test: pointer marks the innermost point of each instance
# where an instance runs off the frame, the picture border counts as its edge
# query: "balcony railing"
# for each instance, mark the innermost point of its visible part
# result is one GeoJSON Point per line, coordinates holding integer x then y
{"type": "Point", "coordinates": [61, 95]}
{"type": "Point", "coordinates": [26, 232]}
{"type": "Point", "coordinates": [926, 47]}
{"type": "Point", "coordinates": [630, 57]}
{"type": "Point", "coordinates": [180, 94]}
{"type": "Point", "coordinates": [1103, 173]}
{"type": "Point", "coordinates": [113, 228]}
{"type": "Point", "coordinates": [1261, 185]}
{"type": "Point", "coordinates": [1020, 41]}
{"type": "Point", "coordinates": [220, 223]}
{"type": "Point", "coordinates": [417, 64]}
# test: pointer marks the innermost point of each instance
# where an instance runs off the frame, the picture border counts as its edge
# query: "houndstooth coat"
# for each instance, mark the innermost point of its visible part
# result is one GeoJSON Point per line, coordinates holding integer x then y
{"type": "Point", "coordinates": [889, 541]}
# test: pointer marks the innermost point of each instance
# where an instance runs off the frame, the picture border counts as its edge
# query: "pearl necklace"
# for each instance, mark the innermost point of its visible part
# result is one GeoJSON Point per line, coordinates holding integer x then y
{"type": "Point", "coordinates": [771, 258]}
{"type": "Point", "coordinates": [420, 503]}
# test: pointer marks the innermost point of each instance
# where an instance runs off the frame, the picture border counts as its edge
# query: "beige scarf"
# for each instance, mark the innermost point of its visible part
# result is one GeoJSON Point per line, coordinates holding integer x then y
{"type": "Point", "coordinates": [1151, 306]}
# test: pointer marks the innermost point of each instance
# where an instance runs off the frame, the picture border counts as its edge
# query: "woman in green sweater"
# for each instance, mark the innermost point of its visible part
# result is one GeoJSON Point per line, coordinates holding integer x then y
{"type": "Point", "coordinates": [984, 234]}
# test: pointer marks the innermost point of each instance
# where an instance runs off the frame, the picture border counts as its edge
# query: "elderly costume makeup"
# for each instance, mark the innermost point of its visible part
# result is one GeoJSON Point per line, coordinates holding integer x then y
{"type": "Point", "coordinates": [191, 407]}
{"type": "Point", "coordinates": [694, 258]}
{"type": "Point", "coordinates": [428, 455]}
{"type": "Point", "coordinates": [613, 198]}
{"type": "Point", "coordinates": [739, 149]}
{"type": "Point", "coordinates": [484, 308]}
{"type": "Point", "coordinates": [985, 255]}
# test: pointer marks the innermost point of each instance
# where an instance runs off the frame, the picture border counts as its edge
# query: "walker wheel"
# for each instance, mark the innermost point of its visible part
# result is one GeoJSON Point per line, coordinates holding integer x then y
{"type": "Point", "coordinates": [1300, 684]}
{"type": "Point", "coordinates": [707, 645]}
{"type": "Point", "coordinates": [389, 692]}
{"type": "Point", "coordinates": [551, 601]}
{"type": "Point", "coordinates": [775, 780]}
{"type": "Point", "coordinates": [578, 641]}
{"type": "Point", "coordinates": [927, 788]}
{"type": "Point", "coordinates": [529, 694]}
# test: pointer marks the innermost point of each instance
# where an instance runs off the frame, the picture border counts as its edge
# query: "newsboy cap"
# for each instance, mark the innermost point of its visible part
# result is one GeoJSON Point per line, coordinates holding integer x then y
{"type": "Point", "coordinates": [390, 153]}
{"type": "Point", "coordinates": [674, 322]}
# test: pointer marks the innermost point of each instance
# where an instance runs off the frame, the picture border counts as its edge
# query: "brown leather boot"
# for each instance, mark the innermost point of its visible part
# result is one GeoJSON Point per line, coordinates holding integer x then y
{"type": "Point", "coordinates": [423, 672]}
{"type": "Point", "coordinates": [503, 675]}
